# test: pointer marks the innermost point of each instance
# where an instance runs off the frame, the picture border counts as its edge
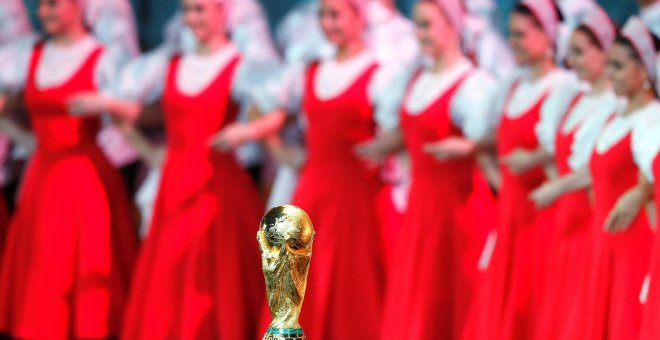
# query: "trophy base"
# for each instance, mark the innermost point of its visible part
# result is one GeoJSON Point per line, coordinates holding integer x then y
{"type": "Point", "coordinates": [285, 334]}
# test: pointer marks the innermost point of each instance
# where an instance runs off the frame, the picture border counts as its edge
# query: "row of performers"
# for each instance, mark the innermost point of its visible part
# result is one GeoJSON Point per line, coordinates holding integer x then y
{"type": "Point", "coordinates": [564, 250]}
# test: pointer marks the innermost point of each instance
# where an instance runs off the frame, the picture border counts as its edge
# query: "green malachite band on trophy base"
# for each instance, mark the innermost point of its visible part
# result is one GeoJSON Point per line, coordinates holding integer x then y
{"type": "Point", "coordinates": [285, 331]}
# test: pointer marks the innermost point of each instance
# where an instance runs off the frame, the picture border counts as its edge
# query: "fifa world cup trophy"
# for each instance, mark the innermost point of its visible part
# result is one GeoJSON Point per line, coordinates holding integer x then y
{"type": "Point", "coordinates": [285, 237]}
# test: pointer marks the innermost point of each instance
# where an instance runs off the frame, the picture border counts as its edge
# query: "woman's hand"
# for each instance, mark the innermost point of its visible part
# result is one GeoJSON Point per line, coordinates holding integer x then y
{"type": "Point", "coordinates": [239, 133]}
{"type": "Point", "coordinates": [629, 206]}
{"type": "Point", "coordinates": [289, 155]}
{"type": "Point", "coordinates": [451, 148]}
{"type": "Point", "coordinates": [624, 212]}
{"type": "Point", "coordinates": [546, 194]}
{"type": "Point", "coordinates": [88, 104]}
{"type": "Point", "coordinates": [378, 149]}
{"type": "Point", "coordinates": [373, 152]}
{"type": "Point", "coordinates": [231, 137]}
{"type": "Point", "coordinates": [520, 161]}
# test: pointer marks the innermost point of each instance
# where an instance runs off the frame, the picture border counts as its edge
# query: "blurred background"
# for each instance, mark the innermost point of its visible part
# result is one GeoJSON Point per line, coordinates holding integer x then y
{"type": "Point", "coordinates": [151, 15]}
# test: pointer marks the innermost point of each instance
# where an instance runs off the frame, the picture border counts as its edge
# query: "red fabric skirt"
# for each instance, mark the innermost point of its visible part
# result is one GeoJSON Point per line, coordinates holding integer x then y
{"type": "Point", "coordinates": [70, 250]}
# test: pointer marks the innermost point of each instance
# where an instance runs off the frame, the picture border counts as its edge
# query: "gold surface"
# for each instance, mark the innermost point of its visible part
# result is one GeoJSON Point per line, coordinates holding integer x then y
{"type": "Point", "coordinates": [285, 238]}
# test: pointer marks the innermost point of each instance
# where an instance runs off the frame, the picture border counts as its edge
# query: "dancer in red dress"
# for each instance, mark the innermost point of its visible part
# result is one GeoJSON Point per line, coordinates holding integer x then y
{"type": "Point", "coordinates": [70, 251]}
{"type": "Point", "coordinates": [337, 188]}
{"type": "Point", "coordinates": [198, 276]}
{"type": "Point", "coordinates": [622, 247]}
{"type": "Point", "coordinates": [445, 115]}
{"type": "Point", "coordinates": [572, 144]}
{"type": "Point", "coordinates": [506, 304]}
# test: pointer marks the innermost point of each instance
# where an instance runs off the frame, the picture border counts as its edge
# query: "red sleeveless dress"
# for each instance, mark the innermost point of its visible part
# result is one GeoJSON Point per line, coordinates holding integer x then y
{"type": "Point", "coordinates": [199, 273]}
{"type": "Point", "coordinates": [339, 192]}
{"type": "Point", "coordinates": [71, 246]}
{"type": "Point", "coordinates": [505, 305]}
{"type": "Point", "coordinates": [569, 251]}
{"type": "Point", "coordinates": [651, 314]}
{"type": "Point", "coordinates": [435, 266]}
{"type": "Point", "coordinates": [620, 261]}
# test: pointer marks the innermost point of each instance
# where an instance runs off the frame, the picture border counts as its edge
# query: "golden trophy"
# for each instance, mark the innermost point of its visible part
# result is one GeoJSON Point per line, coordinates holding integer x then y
{"type": "Point", "coordinates": [285, 237]}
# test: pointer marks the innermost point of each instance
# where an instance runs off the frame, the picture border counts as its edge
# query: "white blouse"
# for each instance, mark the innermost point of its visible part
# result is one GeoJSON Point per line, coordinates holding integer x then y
{"type": "Point", "coordinates": [560, 87]}
{"type": "Point", "coordinates": [471, 107]}
{"type": "Point", "coordinates": [14, 21]}
{"type": "Point", "coordinates": [646, 141]}
{"type": "Point", "coordinates": [333, 78]}
{"type": "Point", "coordinates": [589, 115]}
{"type": "Point", "coordinates": [556, 106]}
{"type": "Point", "coordinates": [620, 126]}
{"type": "Point", "coordinates": [143, 79]}
{"type": "Point", "coordinates": [530, 92]}
{"type": "Point", "coordinates": [59, 63]}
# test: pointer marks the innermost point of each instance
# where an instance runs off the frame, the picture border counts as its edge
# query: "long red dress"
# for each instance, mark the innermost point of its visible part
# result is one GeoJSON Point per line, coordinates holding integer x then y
{"type": "Point", "coordinates": [569, 253]}
{"type": "Point", "coordinates": [651, 314]}
{"type": "Point", "coordinates": [4, 222]}
{"type": "Point", "coordinates": [435, 266]}
{"type": "Point", "coordinates": [70, 252]}
{"type": "Point", "coordinates": [199, 273]}
{"type": "Point", "coordinates": [339, 192]}
{"type": "Point", "coordinates": [505, 305]}
{"type": "Point", "coordinates": [620, 261]}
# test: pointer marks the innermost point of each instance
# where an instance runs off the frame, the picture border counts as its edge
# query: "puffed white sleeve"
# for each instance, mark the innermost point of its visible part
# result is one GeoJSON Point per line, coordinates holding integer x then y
{"type": "Point", "coordinates": [388, 89]}
{"type": "Point", "coordinates": [109, 67]}
{"type": "Point", "coordinates": [554, 108]}
{"type": "Point", "coordinates": [15, 59]}
{"type": "Point", "coordinates": [256, 83]}
{"type": "Point", "coordinates": [588, 132]}
{"type": "Point", "coordinates": [502, 92]}
{"type": "Point", "coordinates": [472, 107]}
{"type": "Point", "coordinates": [143, 79]}
{"type": "Point", "coordinates": [114, 26]}
{"type": "Point", "coordinates": [646, 144]}
{"type": "Point", "coordinates": [282, 88]}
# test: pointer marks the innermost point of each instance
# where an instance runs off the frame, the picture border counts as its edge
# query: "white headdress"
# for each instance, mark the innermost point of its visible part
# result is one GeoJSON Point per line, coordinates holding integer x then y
{"type": "Point", "coordinates": [639, 35]}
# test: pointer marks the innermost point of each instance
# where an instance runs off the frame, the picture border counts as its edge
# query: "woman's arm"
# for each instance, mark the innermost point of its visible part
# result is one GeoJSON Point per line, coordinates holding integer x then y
{"type": "Point", "coordinates": [549, 192]}
{"type": "Point", "coordinates": [94, 103]}
{"type": "Point", "coordinates": [520, 160]}
{"type": "Point", "coordinates": [238, 133]}
{"type": "Point", "coordinates": [376, 150]}
{"type": "Point", "coordinates": [629, 206]}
